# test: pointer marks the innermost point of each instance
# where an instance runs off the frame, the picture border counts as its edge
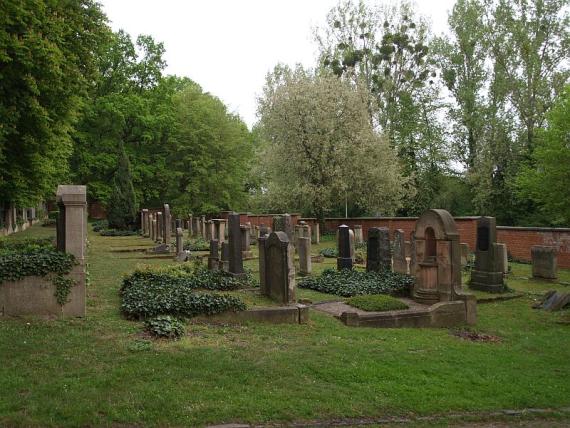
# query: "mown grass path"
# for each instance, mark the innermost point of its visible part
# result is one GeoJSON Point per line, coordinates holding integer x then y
{"type": "Point", "coordinates": [100, 371]}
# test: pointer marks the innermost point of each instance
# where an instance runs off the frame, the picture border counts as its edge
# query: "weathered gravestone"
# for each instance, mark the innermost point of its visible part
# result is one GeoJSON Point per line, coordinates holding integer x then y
{"type": "Point", "coordinates": [159, 227]}
{"type": "Point", "coordinates": [502, 258]}
{"type": "Point", "coordinates": [544, 262]}
{"type": "Point", "coordinates": [262, 260]}
{"type": "Point", "coordinates": [181, 254]}
{"type": "Point", "coordinates": [263, 230]}
{"type": "Point", "coordinates": [487, 274]}
{"type": "Point", "coordinates": [304, 250]}
{"type": "Point", "coordinates": [167, 226]}
{"type": "Point", "coordinates": [203, 227]}
{"type": "Point", "coordinates": [148, 224]}
{"type": "Point", "coordinates": [225, 257]}
{"type": "Point", "coordinates": [379, 255]}
{"type": "Point", "coordinates": [399, 255]}
{"type": "Point", "coordinates": [316, 234]}
{"type": "Point", "coordinates": [144, 214]}
{"type": "Point", "coordinates": [210, 230]}
{"type": "Point", "coordinates": [344, 259]}
{"type": "Point", "coordinates": [279, 269]}
{"type": "Point", "coordinates": [358, 236]}
{"type": "Point", "coordinates": [152, 227]}
{"type": "Point", "coordinates": [235, 245]}
{"type": "Point", "coordinates": [214, 256]}
{"type": "Point", "coordinates": [190, 226]}
{"type": "Point", "coordinates": [219, 229]}
{"type": "Point", "coordinates": [464, 254]}
{"type": "Point", "coordinates": [283, 223]}
{"type": "Point", "coordinates": [245, 242]}
{"type": "Point", "coordinates": [554, 301]}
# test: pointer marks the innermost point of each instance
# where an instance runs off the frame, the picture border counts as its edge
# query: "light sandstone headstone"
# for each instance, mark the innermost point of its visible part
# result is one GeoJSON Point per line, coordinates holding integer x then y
{"type": "Point", "coordinates": [316, 234]}
{"type": "Point", "coordinates": [344, 259]}
{"type": "Point", "coordinates": [203, 227]}
{"type": "Point", "coordinates": [358, 236]}
{"type": "Point", "coordinates": [262, 263]}
{"type": "Point", "coordinates": [190, 226]}
{"type": "Point", "coordinates": [214, 256]}
{"type": "Point", "coordinates": [487, 274]}
{"type": "Point", "coordinates": [304, 250]}
{"type": "Point", "coordinates": [149, 224]}
{"type": "Point", "coordinates": [167, 225]}
{"type": "Point", "coordinates": [279, 268]}
{"type": "Point", "coordinates": [225, 257]}
{"type": "Point", "coordinates": [464, 254]}
{"type": "Point", "coordinates": [159, 226]}
{"type": "Point", "coordinates": [544, 261]}
{"type": "Point", "coordinates": [235, 245]}
{"type": "Point", "coordinates": [181, 255]}
{"type": "Point", "coordinates": [245, 242]}
{"type": "Point", "coordinates": [379, 255]}
{"type": "Point", "coordinates": [502, 258]}
{"type": "Point", "coordinates": [220, 229]}
{"type": "Point", "coordinates": [153, 228]}
{"type": "Point", "coordinates": [399, 255]}
{"type": "Point", "coordinates": [144, 214]}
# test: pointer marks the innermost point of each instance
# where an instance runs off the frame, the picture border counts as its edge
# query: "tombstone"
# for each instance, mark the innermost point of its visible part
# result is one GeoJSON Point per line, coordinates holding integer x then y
{"type": "Point", "coordinates": [190, 226]}
{"type": "Point", "coordinates": [181, 254]}
{"type": "Point", "coordinates": [148, 224]}
{"type": "Point", "coordinates": [283, 223]}
{"type": "Point", "coordinates": [304, 250]}
{"type": "Point", "coordinates": [464, 254]}
{"type": "Point", "coordinates": [235, 245]}
{"type": "Point", "coordinates": [399, 263]}
{"type": "Point", "coordinates": [351, 242]}
{"type": "Point", "coordinates": [203, 227]}
{"type": "Point", "coordinates": [245, 242]}
{"type": "Point", "coordinates": [502, 258]}
{"type": "Point", "coordinates": [262, 271]}
{"type": "Point", "coordinates": [214, 256]}
{"type": "Point", "coordinates": [196, 227]}
{"type": "Point", "coordinates": [487, 274]}
{"type": "Point", "coordinates": [167, 224]}
{"type": "Point", "coordinates": [144, 223]}
{"type": "Point", "coordinates": [159, 227]}
{"type": "Point", "coordinates": [210, 230]}
{"type": "Point", "coordinates": [153, 228]}
{"type": "Point", "coordinates": [279, 269]}
{"type": "Point", "coordinates": [379, 255]}
{"type": "Point", "coordinates": [263, 230]}
{"type": "Point", "coordinates": [438, 258]}
{"type": "Point", "coordinates": [408, 252]}
{"type": "Point", "coordinates": [225, 257]}
{"type": "Point", "coordinates": [252, 233]}
{"type": "Point", "coordinates": [344, 259]}
{"type": "Point", "coordinates": [315, 234]}
{"type": "Point", "coordinates": [554, 301]}
{"type": "Point", "coordinates": [358, 236]}
{"type": "Point", "coordinates": [413, 259]}
{"type": "Point", "coordinates": [544, 262]}
{"type": "Point", "coordinates": [220, 229]}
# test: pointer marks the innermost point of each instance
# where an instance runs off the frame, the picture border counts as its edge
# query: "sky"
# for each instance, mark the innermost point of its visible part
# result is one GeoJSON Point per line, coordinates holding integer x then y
{"type": "Point", "coordinates": [228, 46]}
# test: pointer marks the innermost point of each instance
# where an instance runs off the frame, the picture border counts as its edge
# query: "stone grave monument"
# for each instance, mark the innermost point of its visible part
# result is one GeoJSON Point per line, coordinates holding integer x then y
{"type": "Point", "coordinates": [487, 275]}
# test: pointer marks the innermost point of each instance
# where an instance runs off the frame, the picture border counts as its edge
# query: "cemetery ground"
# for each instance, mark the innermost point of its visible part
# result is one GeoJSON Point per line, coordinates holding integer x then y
{"type": "Point", "coordinates": [103, 370]}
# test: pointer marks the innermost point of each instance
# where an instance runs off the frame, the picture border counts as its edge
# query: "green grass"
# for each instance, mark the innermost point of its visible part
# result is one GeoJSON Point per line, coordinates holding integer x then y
{"type": "Point", "coordinates": [377, 302]}
{"type": "Point", "coordinates": [102, 370]}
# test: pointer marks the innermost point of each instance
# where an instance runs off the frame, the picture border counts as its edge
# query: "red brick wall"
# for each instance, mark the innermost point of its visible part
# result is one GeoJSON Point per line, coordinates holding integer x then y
{"type": "Point", "coordinates": [519, 240]}
{"type": "Point", "coordinates": [267, 219]}
{"type": "Point", "coordinates": [97, 211]}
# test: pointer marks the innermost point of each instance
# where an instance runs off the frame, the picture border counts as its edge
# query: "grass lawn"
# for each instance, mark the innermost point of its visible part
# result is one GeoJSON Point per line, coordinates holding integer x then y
{"type": "Point", "coordinates": [102, 371]}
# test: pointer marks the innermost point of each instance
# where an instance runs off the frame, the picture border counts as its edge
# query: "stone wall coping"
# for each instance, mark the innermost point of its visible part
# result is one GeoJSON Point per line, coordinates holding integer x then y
{"type": "Point", "coordinates": [536, 229]}
{"type": "Point", "coordinates": [392, 218]}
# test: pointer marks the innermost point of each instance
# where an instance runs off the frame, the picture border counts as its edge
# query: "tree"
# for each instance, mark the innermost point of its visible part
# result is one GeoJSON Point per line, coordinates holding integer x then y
{"type": "Point", "coordinates": [320, 149]}
{"type": "Point", "coordinates": [48, 52]}
{"type": "Point", "coordinates": [123, 207]}
{"type": "Point", "coordinates": [546, 179]}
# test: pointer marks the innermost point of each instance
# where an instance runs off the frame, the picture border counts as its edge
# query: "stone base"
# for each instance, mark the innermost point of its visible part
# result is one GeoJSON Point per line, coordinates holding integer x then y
{"type": "Point", "coordinates": [442, 314]}
{"type": "Point", "coordinates": [292, 314]}
{"type": "Point", "coordinates": [344, 263]}
{"type": "Point", "coordinates": [491, 282]}
{"type": "Point", "coordinates": [213, 263]}
{"type": "Point", "coordinates": [161, 249]}
{"type": "Point", "coordinates": [34, 295]}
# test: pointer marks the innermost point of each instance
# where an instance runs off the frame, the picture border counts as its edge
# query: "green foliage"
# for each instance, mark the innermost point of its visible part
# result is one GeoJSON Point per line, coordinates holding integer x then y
{"type": "Point", "coordinates": [197, 244]}
{"type": "Point", "coordinates": [546, 179]}
{"type": "Point", "coordinates": [115, 232]}
{"type": "Point", "coordinates": [165, 326]}
{"type": "Point", "coordinates": [99, 225]}
{"type": "Point", "coordinates": [376, 303]}
{"type": "Point", "coordinates": [172, 291]}
{"type": "Point", "coordinates": [122, 210]}
{"type": "Point", "coordinates": [329, 252]}
{"type": "Point", "coordinates": [348, 283]}
{"type": "Point", "coordinates": [48, 54]}
{"type": "Point", "coordinates": [37, 257]}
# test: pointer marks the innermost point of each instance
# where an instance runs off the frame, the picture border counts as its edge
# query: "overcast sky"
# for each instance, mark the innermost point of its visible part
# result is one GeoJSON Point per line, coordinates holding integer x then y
{"type": "Point", "coordinates": [228, 46]}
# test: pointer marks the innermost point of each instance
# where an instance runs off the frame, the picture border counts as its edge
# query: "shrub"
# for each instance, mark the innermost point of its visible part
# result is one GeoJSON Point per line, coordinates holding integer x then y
{"type": "Point", "coordinates": [349, 283]}
{"type": "Point", "coordinates": [122, 209]}
{"type": "Point", "coordinates": [376, 303]}
{"type": "Point", "coordinates": [116, 232]}
{"type": "Point", "coordinates": [197, 244]}
{"type": "Point", "coordinates": [329, 252]}
{"type": "Point", "coordinates": [165, 326]}
{"type": "Point", "coordinates": [99, 225]}
{"type": "Point", "coordinates": [172, 290]}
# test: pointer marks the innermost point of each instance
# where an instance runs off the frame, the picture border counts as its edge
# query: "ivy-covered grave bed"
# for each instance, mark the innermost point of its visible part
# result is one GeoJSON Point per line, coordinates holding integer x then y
{"type": "Point", "coordinates": [40, 262]}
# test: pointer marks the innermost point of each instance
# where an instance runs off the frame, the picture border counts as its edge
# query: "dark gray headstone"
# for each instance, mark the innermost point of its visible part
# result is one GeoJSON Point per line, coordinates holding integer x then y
{"type": "Point", "coordinates": [379, 255]}
{"type": "Point", "coordinates": [487, 275]}
{"type": "Point", "coordinates": [344, 259]}
{"type": "Point", "coordinates": [399, 254]}
{"type": "Point", "coordinates": [166, 224]}
{"type": "Point", "coordinates": [235, 245]}
{"type": "Point", "coordinates": [214, 258]}
{"type": "Point", "coordinates": [544, 262]}
{"type": "Point", "coordinates": [279, 268]}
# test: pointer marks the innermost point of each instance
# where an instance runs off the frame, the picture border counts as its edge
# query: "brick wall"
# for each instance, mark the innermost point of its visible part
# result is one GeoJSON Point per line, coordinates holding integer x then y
{"type": "Point", "coordinates": [519, 240]}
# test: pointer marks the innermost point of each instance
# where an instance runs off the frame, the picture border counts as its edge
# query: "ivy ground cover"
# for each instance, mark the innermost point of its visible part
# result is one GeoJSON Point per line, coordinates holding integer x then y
{"type": "Point", "coordinates": [103, 370]}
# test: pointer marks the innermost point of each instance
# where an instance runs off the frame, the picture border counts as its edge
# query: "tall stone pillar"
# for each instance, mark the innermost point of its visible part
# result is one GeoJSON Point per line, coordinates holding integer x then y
{"type": "Point", "coordinates": [167, 225]}
{"type": "Point", "coordinates": [235, 245]}
{"type": "Point", "coordinates": [304, 250]}
{"type": "Point", "coordinates": [344, 259]}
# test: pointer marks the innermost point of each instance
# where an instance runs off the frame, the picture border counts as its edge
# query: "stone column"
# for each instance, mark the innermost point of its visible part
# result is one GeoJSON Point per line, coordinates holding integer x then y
{"type": "Point", "coordinates": [235, 245]}
{"type": "Point", "coordinates": [214, 257]}
{"type": "Point", "coordinates": [144, 213]}
{"type": "Point", "coordinates": [181, 255]}
{"type": "Point", "coordinates": [167, 219]}
{"type": "Point", "coordinates": [71, 237]}
{"type": "Point", "coordinates": [203, 227]}
{"type": "Point", "coordinates": [262, 271]}
{"type": "Point", "coordinates": [316, 234]}
{"type": "Point", "coordinates": [190, 226]}
{"type": "Point", "coordinates": [159, 226]}
{"type": "Point", "coordinates": [379, 256]}
{"type": "Point", "coordinates": [344, 259]}
{"type": "Point", "coordinates": [152, 227]}
{"type": "Point", "coordinates": [225, 257]}
{"type": "Point", "coordinates": [304, 250]}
